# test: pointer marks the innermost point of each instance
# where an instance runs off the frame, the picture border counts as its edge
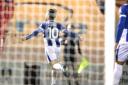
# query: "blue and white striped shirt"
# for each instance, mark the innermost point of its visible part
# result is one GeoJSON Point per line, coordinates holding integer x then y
{"type": "Point", "coordinates": [122, 27]}
{"type": "Point", "coordinates": [51, 31]}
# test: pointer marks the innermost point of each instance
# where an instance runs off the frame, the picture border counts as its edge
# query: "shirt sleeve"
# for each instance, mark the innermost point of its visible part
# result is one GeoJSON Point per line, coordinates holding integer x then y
{"type": "Point", "coordinates": [35, 32]}
{"type": "Point", "coordinates": [65, 31]}
{"type": "Point", "coordinates": [121, 23]}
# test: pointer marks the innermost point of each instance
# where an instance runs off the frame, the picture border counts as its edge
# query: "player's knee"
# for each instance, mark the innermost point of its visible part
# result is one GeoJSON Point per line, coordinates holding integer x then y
{"type": "Point", "coordinates": [120, 62]}
{"type": "Point", "coordinates": [57, 66]}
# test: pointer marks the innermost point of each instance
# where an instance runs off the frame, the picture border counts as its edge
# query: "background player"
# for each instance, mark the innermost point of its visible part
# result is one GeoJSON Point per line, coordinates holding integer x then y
{"type": "Point", "coordinates": [121, 43]}
{"type": "Point", "coordinates": [51, 31]}
{"type": "Point", "coordinates": [71, 41]}
{"type": "Point", "coordinates": [6, 13]}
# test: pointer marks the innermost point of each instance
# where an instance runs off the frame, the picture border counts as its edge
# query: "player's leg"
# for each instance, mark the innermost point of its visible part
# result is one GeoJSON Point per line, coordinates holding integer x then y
{"type": "Point", "coordinates": [66, 56]}
{"type": "Point", "coordinates": [121, 56]}
{"type": "Point", "coordinates": [58, 54]}
{"type": "Point", "coordinates": [53, 75]}
{"type": "Point", "coordinates": [70, 68]}
{"type": "Point", "coordinates": [51, 56]}
{"type": "Point", "coordinates": [66, 60]}
{"type": "Point", "coordinates": [66, 65]}
{"type": "Point", "coordinates": [1, 44]}
{"type": "Point", "coordinates": [118, 69]}
{"type": "Point", "coordinates": [74, 68]}
{"type": "Point", "coordinates": [2, 40]}
{"type": "Point", "coordinates": [53, 59]}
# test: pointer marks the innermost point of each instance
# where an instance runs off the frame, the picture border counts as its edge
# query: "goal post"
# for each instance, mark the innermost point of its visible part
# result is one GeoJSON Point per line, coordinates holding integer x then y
{"type": "Point", "coordinates": [109, 41]}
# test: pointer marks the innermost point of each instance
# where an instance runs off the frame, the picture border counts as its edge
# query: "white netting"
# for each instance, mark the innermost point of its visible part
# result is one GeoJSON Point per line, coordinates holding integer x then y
{"type": "Point", "coordinates": [19, 60]}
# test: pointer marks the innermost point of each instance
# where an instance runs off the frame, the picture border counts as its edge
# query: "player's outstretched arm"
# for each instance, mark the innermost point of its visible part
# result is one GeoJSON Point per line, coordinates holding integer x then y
{"type": "Point", "coordinates": [29, 36]}
{"type": "Point", "coordinates": [33, 34]}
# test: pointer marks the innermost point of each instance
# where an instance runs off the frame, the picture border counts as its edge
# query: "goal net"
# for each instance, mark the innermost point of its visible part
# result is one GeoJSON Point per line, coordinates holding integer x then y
{"type": "Point", "coordinates": [26, 64]}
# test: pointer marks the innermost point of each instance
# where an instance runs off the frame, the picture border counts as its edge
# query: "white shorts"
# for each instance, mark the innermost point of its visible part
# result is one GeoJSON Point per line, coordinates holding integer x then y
{"type": "Point", "coordinates": [122, 52]}
{"type": "Point", "coordinates": [52, 53]}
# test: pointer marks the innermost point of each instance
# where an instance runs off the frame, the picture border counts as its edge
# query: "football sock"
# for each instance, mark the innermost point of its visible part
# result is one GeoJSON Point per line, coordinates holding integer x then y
{"type": "Point", "coordinates": [53, 75]}
{"type": "Point", "coordinates": [117, 73]}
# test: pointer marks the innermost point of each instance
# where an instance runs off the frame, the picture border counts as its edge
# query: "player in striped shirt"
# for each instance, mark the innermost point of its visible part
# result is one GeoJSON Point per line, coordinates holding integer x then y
{"type": "Point", "coordinates": [121, 43]}
{"type": "Point", "coordinates": [51, 31]}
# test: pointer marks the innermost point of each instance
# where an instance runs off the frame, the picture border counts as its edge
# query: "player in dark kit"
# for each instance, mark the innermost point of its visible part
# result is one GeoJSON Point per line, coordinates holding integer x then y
{"type": "Point", "coordinates": [71, 41]}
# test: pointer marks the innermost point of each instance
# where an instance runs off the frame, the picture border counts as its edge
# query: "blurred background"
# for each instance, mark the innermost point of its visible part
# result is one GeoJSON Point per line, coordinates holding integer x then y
{"type": "Point", "coordinates": [19, 61]}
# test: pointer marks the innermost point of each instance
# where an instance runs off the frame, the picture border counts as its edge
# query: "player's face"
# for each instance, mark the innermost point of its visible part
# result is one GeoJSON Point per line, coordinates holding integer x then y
{"type": "Point", "coordinates": [52, 17]}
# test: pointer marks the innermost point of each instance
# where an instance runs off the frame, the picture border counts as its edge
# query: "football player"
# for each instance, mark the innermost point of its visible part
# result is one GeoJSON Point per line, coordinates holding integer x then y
{"type": "Point", "coordinates": [121, 43]}
{"type": "Point", "coordinates": [51, 31]}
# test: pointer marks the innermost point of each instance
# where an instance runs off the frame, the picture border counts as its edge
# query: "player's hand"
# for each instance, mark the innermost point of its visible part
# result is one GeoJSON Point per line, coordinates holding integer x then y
{"type": "Point", "coordinates": [66, 41]}
{"type": "Point", "coordinates": [116, 45]}
{"type": "Point", "coordinates": [61, 34]}
{"type": "Point", "coordinates": [21, 40]}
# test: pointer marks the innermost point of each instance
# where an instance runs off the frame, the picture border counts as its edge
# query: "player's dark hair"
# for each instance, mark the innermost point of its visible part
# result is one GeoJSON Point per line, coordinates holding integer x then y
{"type": "Point", "coordinates": [72, 27]}
{"type": "Point", "coordinates": [52, 14]}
